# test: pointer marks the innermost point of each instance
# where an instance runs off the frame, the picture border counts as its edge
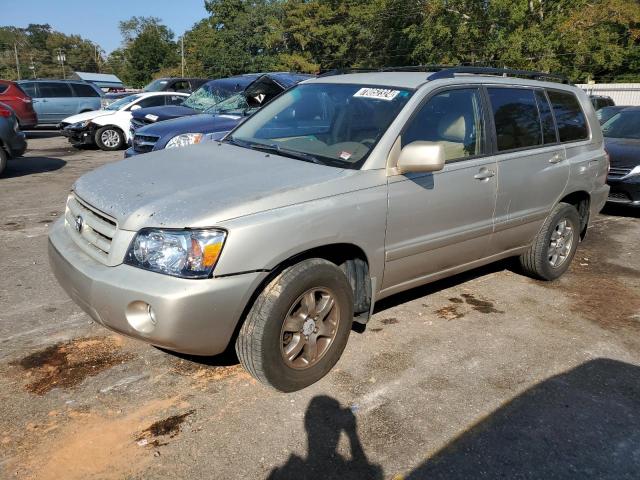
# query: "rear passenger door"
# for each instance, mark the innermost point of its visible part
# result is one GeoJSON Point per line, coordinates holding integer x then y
{"type": "Point", "coordinates": [441, 220]}
{"type": "Point", "coordinates": [56, 102]}
{"type": "Point", "coordinates": [532, 167]}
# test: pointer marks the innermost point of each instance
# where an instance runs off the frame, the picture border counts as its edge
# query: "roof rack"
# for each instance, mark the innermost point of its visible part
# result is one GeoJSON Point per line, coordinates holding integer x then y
{"type": "Point", "coordinates": [439, 72]}
{"type": "Point", "coordinates": [451, 72]}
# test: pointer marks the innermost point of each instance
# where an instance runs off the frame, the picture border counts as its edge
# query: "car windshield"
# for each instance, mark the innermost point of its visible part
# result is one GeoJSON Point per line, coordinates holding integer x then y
{"type": "Point", "coordinates": [333, 124]}
{"type": "Point", "coordinates": [234, 104]}
{"type": "Point", "coordinates": [625, 124]}
{"type": "Point", "coordinates": [156, 86]}
{"type": "Point", "coordinates": [210, 94]}
{"type": "Point", "coordinates": [118, 104]}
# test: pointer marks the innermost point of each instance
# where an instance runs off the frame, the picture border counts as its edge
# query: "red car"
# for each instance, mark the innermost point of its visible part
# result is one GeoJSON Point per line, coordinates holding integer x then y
{"type": "Point", "coordinates": [13, 96]}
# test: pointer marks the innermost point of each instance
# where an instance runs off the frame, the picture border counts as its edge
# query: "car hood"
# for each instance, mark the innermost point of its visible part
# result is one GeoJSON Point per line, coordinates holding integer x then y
{"type": "Point", "coordinates": [204, 185]}
{"type": "Point", "coordinates": [202, 123]}
{"type": "Point", "coordinates": [81, 117]}
{"type": "Point", "coordinates": [164, 113]}
{"type": "Point", "coordinates": [623, 152]}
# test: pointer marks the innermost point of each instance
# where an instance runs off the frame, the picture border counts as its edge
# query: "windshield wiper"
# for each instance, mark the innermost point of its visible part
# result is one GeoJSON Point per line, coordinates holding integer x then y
{"type": "Point", "coordinates": [277, 149]}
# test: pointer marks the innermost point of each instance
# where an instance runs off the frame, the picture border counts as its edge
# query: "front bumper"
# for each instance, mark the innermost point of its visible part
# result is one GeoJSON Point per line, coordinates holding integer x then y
{"type": "Point", "coordinates": [130, 152]}
{"type": "Point", "coordinates": [196, 317]}
{"type": "Point", "coordinates": [78, 137]}
{"type": "Point", "coordinates": [625, 192]}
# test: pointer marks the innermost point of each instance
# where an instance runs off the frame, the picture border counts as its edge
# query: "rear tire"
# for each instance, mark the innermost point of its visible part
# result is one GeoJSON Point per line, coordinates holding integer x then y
{"type": "Point", "coordinates": [3, 159]}
{"type": "Point", "coordinates": [109, 138]}
{"type": "Point", "coordinates": [554, 247]}
{"type": "Point", "coordinates": [316, 300]}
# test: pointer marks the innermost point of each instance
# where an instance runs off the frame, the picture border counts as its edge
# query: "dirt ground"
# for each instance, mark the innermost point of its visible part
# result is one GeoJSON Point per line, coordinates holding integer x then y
{"type": "Point", "coordinates": [485, 375]}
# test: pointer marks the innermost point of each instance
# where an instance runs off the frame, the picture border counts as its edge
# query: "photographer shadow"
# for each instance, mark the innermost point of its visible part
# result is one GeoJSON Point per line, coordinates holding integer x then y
{"type": "Point", "coordinates": [324, 421]}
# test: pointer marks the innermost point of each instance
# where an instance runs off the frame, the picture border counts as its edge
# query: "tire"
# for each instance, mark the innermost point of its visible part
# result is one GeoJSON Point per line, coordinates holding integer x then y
{"type": "Point", "coordinates": [539, 262]}
{"type": "Point", "coordinates": [109, 138]}
{"type": "Point", "coordinates": [266, 345]}
{"type": "Point", "coordinates": [3, 159]}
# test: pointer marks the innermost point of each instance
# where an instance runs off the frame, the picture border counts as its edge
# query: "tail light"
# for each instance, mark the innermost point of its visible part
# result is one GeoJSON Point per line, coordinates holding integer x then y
{"type": "Point", "coordinates": [5, 112]}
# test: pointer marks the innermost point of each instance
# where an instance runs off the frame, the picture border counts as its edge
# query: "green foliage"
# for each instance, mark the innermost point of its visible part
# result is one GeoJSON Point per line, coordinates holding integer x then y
{"type": "Point", "coordinates": [583, 39]}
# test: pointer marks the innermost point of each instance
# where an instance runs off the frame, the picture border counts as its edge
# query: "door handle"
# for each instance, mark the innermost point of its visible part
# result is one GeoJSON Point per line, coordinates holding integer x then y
{"type": "Point", "coordinates": [556, 158]}
{"type": "Point", "coordinates": [484, 174]}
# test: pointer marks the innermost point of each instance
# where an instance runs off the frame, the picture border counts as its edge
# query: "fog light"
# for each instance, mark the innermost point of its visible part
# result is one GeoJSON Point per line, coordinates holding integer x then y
{"type": "Point", "coordinates": [141, 316]}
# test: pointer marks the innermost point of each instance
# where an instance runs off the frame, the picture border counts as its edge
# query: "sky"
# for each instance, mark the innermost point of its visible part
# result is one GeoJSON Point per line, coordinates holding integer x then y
{"type": "Point", "coordinates": [98, 21]}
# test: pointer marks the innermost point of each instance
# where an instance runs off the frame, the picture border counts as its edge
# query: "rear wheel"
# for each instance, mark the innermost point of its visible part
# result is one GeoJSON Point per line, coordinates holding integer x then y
{"type": "Point", "coordinates": [109, 138]}
{"type": "Point", "coordinates": [298, 326]}
{"type": "Point", "coordinates": [3, 159]}
{"type": "Point", "coordinates": [555, 245]}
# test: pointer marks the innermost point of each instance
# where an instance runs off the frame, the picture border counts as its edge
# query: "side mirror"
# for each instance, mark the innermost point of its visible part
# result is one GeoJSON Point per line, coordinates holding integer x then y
{"type": "Point", "coordinates": [421, 157]}
{"type": "Point", "coordinates": [135, 107]}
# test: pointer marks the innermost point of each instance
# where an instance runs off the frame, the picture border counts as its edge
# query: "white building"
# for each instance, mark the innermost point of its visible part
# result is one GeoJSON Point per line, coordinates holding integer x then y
{"type": "Point", "coordinates": [621, 93]}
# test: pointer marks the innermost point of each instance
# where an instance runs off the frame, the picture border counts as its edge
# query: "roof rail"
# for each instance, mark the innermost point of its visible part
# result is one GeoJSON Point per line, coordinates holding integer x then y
{"type": "Point", "coordinates": [404, 68]}
{"type": "Point", "coordinates": [506, 72]}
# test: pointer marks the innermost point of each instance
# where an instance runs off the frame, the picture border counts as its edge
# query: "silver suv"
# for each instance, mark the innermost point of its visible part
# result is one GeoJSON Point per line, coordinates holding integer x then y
{"type": "Point", "coordinates": [342, 191]}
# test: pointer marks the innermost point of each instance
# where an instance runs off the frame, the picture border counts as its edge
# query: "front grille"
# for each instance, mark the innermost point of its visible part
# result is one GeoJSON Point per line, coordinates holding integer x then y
{"type": "Point", "coordinates": [621, 197]}
{"type": "Point", "coordinates": [144, 143]}
{"type": "Point", "coordinates": [616, 172]}
{"type": "Point", "coordinates": [91, 230]}
{"type": "Point", "coordinates": [137, 123]}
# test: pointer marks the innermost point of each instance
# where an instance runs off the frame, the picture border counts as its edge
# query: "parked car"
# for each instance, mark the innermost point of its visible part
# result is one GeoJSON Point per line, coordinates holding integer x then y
{"type": "Point", "coordinates": [13, 143]}
{"type": "Point", "coordinates": [217, 120]}
{"type": "Point", "coordinates": [206, 96]}
{"type": "Point", "coordinates": [109, 128]}
{"type": "Point", "coordinates": [605, 113]}
{"type": "Point", "coordinates": [622, 142]}
{"type": "Point", "coordinates": [54, 100]}
{"type": "Point", "coordinates": [182, 85]}
{"type": "Point", "coordinates": [601, 101]}
{"type": "Point", "coordinates": [19, 102]}
{"type": "Point", "coordinates": [342, 191]}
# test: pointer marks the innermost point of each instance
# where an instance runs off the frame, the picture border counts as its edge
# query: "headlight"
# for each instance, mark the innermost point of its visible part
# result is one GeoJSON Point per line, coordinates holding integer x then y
{"type": "Point", "coordinates": [634, 171]}
{"type": "Point", "coordinates": [184, 139]}
{"type": "Point", "coordinates": [83, 124]}
{"type": "Point", "coordinates": [180, 253]}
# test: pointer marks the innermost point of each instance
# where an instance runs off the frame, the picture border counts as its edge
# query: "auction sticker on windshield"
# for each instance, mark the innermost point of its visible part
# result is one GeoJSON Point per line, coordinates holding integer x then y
{"type": "Point", "coordinates": [377, 93]}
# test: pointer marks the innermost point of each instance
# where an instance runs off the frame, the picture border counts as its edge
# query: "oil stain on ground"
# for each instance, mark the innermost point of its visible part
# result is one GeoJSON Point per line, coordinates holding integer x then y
{"type": "Point", "coordinates": [482, 306]}
{"type": "Point", "coordinates": [68, 364]}
{"type": "Point", "coordinates": [167, 428]}
{"type": "Point", "coordinates": [450, 312]}
{"type": "Point", "coordinates": [389, 321]}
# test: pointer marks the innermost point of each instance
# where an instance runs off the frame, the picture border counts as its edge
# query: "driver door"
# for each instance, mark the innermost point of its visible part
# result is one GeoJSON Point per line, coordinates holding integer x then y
{"type": "Point", "coordinates": [442, 220]}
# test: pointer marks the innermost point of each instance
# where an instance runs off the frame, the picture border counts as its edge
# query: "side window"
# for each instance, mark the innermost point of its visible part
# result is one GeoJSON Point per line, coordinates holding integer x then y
{"type": "Point", "coordinates": [572, 124]}
{"type": "Point", "coordinates": [29, 88]}
{"type": "Point", "coordinates": [174, 99]}
{"type": "Point", "coordinates": [84, 90]}
{"type": "Point", "coordinates": [55, 90]}
{"type": "Point", "coordinates": [515, 114]}
{"type": "Point", "coordinates": [155, 101]}
{"type": "Point", "coordinates": [180, 86]}
{"type": "Point", "coordinates": [546, 118]}
{"type": "Point", "coordinates": [454, 120]}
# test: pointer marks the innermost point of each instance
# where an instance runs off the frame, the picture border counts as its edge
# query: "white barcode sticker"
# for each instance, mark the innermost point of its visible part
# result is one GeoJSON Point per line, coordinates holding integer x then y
{"type": "Point", "coordinates": [377, 93]}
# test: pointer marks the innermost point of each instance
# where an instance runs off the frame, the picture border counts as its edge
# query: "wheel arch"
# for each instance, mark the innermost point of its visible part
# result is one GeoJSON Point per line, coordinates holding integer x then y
{"type": "Point", "coordinates": [581, 200]}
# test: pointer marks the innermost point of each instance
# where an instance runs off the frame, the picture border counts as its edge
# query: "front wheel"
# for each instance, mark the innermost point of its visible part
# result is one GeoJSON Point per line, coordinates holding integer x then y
{"type": "Point", "coordinates": [298, 326]}
{"type": "Point", "coordinates": [555, 245]}
{"type": "Point", "coordinates": [3, 159]}
{"type": "Point", "coordinates": [109, 138]}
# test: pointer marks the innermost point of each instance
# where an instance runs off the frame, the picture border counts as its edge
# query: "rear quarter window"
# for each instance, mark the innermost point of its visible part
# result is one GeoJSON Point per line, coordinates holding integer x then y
{"type": "Point", "coordinates": [3, 88]}
{"type": "Point", "coordinates": [84, 90]}
{"type": "Point", "coordinates": [571, 121]}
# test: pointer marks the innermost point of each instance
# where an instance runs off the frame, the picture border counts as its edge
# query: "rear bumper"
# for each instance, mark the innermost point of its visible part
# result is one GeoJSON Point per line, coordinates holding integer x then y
{"type": "Point", "coordinates": [598, 200]}
{"type": "Point", "coordinates": [196, 317]}
{"type": "Point", "coordinates": [625, 192]}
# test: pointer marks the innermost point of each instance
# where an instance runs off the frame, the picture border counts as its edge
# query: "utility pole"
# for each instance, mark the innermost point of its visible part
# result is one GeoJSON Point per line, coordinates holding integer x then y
{"type": "Point", "coordinates": [61, 58]}
{"type": "Point", "coordinates": [15, 49]}
{"type": "Point", "coordinates": [97, 57]}
{"type": "Point", "coordinates": [182, 42]}
{"type": "Point", "coordinates": [32, 67]}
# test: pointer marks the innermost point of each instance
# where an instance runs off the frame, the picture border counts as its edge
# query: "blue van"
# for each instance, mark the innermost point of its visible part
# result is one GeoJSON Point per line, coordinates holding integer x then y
{"type": "Point", "coordinates": [54, 100]}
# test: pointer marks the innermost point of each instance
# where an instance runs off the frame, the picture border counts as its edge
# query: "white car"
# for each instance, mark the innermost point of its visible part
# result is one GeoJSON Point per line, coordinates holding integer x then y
{"type": "Point", "coordinates": [109, 128]}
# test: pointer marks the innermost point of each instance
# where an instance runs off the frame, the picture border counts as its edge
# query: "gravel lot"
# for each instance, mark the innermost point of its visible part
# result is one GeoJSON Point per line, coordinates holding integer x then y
{"type": "Point", "coordinates": [488, 374]}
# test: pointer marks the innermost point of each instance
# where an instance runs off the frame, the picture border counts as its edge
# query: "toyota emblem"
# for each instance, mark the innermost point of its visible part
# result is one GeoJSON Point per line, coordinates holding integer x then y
{"type": "Point", "coordinates": [79, 223]}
